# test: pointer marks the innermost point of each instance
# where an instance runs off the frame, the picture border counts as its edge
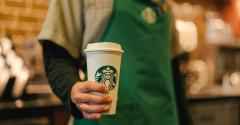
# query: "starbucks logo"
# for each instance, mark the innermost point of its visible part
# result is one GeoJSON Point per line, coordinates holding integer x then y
{"type": "Point", "coordinates": [107, 75]}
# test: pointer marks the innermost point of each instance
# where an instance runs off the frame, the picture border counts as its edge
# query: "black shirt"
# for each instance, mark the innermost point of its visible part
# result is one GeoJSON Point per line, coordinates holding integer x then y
{"type": "Point", "coordinates": [62, 73]}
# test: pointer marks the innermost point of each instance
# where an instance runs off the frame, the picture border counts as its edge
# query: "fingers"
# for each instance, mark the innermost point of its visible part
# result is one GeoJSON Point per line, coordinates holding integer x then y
{"type": "Point", "coordinates": [91, 98]}
{"type": "Point", "coordinates": [90, 104]}
{"type": "Point", "coordinates": [91, 116]}
{"type": "Point", "coordinates": [92, 108]}
{"type": "Point", "coordinates": [92, 87]}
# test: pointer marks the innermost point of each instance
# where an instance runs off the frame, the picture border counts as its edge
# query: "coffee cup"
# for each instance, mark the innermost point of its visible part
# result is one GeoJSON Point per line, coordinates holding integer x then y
{"type": "Point", "coordinates": [103, 67]}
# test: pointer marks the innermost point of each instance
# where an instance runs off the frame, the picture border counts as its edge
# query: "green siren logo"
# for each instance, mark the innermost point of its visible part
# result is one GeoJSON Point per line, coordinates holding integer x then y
{"type": "Point", "coordinates": [107, 75]}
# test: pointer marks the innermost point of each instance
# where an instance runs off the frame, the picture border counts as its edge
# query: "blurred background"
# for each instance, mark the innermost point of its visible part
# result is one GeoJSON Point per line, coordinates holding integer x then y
{"type": "Point", "coordinates": [207, 31]}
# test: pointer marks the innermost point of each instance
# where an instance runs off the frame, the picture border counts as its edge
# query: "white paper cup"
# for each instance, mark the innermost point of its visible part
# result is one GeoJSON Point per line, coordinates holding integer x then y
{"type": "Point", "coordinates": [103, 66]}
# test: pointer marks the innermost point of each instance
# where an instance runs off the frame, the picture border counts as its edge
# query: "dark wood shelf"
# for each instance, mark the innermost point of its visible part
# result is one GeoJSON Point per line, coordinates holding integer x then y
{"type": "Point", "coordinates": [234, 46]}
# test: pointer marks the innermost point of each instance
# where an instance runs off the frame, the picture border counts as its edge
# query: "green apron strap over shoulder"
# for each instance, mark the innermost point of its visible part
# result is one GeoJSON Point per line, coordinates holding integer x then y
{"type": "Point", "coordinates": [146, 95]}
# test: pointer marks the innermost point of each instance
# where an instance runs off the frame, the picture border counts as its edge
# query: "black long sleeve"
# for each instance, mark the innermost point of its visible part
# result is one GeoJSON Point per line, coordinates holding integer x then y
{"type": "Point", "coordinates": [181, 99]}
{"type": "Point", "coordinates": [62, 72]}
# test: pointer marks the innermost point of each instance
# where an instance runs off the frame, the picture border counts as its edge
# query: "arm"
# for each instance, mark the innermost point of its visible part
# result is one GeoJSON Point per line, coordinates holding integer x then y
{"type": "Point", "coordinates": [62, 72]}
{"type": "Point", "coordinates": [62, 39]}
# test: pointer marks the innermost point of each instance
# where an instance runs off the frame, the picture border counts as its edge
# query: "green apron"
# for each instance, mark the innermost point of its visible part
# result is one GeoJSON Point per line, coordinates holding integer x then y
{"type": "Point", "coordinates": [146, 93]}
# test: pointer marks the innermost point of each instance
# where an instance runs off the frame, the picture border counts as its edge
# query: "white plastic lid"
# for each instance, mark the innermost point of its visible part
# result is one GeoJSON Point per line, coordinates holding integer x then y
{"type": "Point", "coordinates": [104, 46]}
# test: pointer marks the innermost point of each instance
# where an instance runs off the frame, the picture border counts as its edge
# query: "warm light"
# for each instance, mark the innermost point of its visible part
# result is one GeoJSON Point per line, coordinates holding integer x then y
{"type": "Point", "coordinates": [235, 78]}
{"type": "Point", "coordinates": [10, 57]}
{"type": "Point", "coordinates": [187, 35]}
{"type": "Point", "coordinates": [19, 103]}
{"type": "Point", "coordinates": [218, 24]}
{"type": "Point", "coordinates": [4, 77]}
{"type": "Point", "coordinates": [15, 62]}
{"type": "Point", "coordinates": [2, 63]}
{"type": "Point", "coordinates": [17, 66]}
{"type": "Point", "coordinates": [20, 82]}
{"type": "Point", "coordinates": [216, 29]}
{"type": "Point", "coordinates": [6, 45]}
{"type": "Point", "coordinates": [238, 7]}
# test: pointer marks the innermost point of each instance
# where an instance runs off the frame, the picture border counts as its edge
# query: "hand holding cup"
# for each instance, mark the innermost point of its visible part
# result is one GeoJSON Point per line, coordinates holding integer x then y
{"type": "Point", "coordinates": [90, 104]}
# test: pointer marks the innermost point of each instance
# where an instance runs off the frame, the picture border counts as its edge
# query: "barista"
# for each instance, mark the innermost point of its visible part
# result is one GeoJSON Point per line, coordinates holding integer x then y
{"type": "Point", "coordinates": [142, 28]}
